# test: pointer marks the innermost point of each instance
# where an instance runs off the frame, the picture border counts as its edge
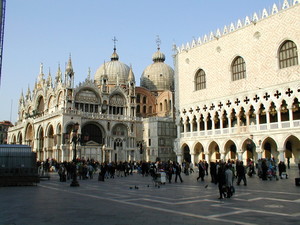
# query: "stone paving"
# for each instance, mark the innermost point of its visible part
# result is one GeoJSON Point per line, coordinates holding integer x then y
{"type": "Point", "coordinates": [117, 202]}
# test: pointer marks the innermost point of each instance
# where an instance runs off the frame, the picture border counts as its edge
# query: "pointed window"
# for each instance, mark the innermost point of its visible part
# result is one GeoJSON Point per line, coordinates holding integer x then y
{"type": "Point", "coordinates": [200, 80]}
{"type": "Point", "coordinates": [238, 68]}
{"type": "Point", "coordinates": [288, 55]}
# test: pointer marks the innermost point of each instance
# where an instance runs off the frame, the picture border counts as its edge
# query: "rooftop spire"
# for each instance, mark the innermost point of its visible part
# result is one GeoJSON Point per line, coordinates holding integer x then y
{"type": "Point", "coordinates": [69, 69]}
{"type": "Point", "coordinates": [158, 42]}
{"type": "Point", "coordinates": [69, 66]}
{"type": "Point", "coordinates": [89, 73]}
{"type": "Point", "coordinates": [114, 56]}
{"type": "Point", "coordinates": [58, 74]}
{"type": "Point", "coordinates": [131, 75]}
{"type": "Point", "coordinates": [41, 68]}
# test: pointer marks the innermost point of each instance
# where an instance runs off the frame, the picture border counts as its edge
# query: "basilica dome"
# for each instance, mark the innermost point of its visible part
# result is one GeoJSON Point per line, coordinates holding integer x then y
{"type": "Point", "coordinates": [158, 76]}
{"type": "Point", "coordinates": [115, 71]}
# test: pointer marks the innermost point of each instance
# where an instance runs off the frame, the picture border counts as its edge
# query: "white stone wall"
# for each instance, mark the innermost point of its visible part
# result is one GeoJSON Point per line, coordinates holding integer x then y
{"type": "Point", "coordinates": [258, 44]}
{"type": "Point", "coordinates": [260, 55]}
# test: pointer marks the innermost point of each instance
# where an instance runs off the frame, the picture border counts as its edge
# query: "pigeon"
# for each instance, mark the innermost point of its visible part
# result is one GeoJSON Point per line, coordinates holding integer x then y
{"type": "Point", "coordinates": [206, 186]}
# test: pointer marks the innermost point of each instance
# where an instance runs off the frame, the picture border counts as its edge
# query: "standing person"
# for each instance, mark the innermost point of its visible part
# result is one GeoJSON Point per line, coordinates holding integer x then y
{"type": "Point", "coordinates": [281, 168]}
{"type": "Point", "coordinates": [228, 180]}
{"type": "Point", "coordinates": [201, 168]}
{"type": "Point", "coordinates": [241, 171]}
{"type": "Point", "coordinates": [288, 162]}
{"type": "Point", "coordinates": [221, 180]}
{"type": "Point", "coordinates": [177, 168]}
{"type": "Point", "coordinates": [191, 167]}
{"type": "Point", "coordinates": [170, 171]}
{"type": "Point", "coordinates": [206, 167]}
{"type": "Point", "coordinates": [213, 172]}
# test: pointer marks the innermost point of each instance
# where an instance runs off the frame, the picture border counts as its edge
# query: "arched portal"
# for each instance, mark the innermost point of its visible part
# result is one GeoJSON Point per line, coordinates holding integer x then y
{"type": "Point", "coordinates": [91, 132]}
{"type": "Point", "coordinates": [120, 141]}
{"type": "Point", "coordinates": [29, 135]}
{"type": "Point", "coordinates": [199, 153]}
{"type": "Point", "coordinates": [40, 144]}
{"type": "Point", "coordinates": [50, 142]}
{"type": "Point", "coordinates": [214, 152]}
{"type": "Point", "coordinates": [269, 148]}
{"type": "Point", "coordinates": [230, 150]}
{"type": "Point", "coordinates": [186, 154]}
{"type": "Point", "coordinates": [292, 150]}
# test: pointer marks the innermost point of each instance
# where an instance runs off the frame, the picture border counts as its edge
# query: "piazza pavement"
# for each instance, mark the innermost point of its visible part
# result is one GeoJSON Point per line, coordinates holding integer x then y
{"type": "Point", "coordinates": [118, 202]}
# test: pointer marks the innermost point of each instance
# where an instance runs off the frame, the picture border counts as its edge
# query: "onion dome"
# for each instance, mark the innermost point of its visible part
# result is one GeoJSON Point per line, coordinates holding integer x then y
{"type": "Point", "coordinates": [158, 56]}
{"type": "Point", "coordinates": [115, 71]}
{"type": "Point", "coordinates": [158, 76]}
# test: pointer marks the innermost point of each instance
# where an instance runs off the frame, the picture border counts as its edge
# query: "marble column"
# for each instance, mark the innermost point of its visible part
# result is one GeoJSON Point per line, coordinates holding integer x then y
{"type": "Point", "coordinates": [281, 154]}
{"type": "Point", "coordinates": [193, 159]}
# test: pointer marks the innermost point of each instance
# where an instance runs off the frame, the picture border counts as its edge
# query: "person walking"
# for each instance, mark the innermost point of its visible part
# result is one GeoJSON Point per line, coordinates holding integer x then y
{"type": "Point", "coordinates": [201, 168]}
{"type": "Point", "coordinates": [221, 180]}
{"type": "Point", "coordinates": [177, 168]}
{"type": "Point", "coordinates": [241, 171]}
{"type": "Point", "coordinates": [229, 180]}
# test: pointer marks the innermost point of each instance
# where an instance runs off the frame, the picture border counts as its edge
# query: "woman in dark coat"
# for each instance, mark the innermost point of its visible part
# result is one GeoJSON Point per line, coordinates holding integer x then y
{"type": "Point", "coordinates": [221, 179]}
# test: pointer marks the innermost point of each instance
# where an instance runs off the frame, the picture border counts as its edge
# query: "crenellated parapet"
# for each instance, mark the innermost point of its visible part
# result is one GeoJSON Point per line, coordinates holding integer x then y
{"type": "Point", "coordinates": [248, 21]}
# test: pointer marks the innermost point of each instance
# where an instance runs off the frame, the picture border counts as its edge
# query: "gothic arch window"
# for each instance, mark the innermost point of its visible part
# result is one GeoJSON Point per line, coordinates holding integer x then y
{"type": "Point", "coordinates": [288, 55]}
{"type": "Point", "coordinates": [160, 107]}
{"type": "Point", "coordinates": [144, 109]}
{"type": "Point", "coordinates": [200, 80]}
{"type": "Point", "coordinates": [138, 109]}
{"type": "Point", "coordinates": [144, 99]}
{"type": "Point", "coordinates": [238, 68]}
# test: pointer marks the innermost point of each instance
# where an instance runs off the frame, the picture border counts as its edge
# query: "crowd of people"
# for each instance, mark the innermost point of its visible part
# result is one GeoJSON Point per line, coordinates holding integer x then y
{"type": "Point", "coordinates": [223, 174]}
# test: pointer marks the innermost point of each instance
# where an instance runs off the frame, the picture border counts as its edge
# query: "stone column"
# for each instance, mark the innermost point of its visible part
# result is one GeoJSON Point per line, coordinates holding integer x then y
{"type": "Point", "coordinates": [257, 120]}
{"type": "Point", "coordinates": [281, 154]}
{"type": "Point", "coordinates": [179, 159]}
{"type": "Point", "coordinates": [259, 152]}
{"type": "Point", "coordinates": [205, 125]}
{"type": "Point", "coordinates": [222, 156]}
{"type": "Point", "coordinates": [207, 157]}
{"type": "Point", "coordinates": [291, 116]}
{"type": "Point", "coordinates": [268, 118]}
{"type": "Point", "coordinates": [247, 120]}
{"type": "Point", "coordinates": [240, 155]}
{"type": "Point", "coordinates": [221, 123]}
{"type": "Point", "coordinates": [229, 124]}
{"type": "Point", "coordinates": [279, 117]}
{"type": "Point", "coordinates": [193, 159]}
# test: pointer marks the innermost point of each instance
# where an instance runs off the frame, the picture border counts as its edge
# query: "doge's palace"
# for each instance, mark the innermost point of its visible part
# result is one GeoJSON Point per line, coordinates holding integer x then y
{"type": "Point", "coordinates": [237, 89]}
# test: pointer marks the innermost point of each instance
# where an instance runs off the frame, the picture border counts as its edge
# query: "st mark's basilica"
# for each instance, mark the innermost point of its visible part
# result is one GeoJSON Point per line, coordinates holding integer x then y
{"type": "Point", "coordinates": [233, 94]}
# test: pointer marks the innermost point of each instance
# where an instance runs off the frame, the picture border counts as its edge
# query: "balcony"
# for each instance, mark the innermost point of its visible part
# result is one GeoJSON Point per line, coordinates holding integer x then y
{"type": "Point", "coordinates": [285, 125]}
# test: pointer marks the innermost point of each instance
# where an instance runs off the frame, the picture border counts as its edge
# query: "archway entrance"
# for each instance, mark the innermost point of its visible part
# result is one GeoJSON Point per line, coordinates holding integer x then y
{"type": "Point", "coordinates": [269, 148]}
{"type": "Point", "coordinates": [292, 150]}
{"type": "Point", "coordinates": [214, 152]}
{"type": "Point", "coordinates": [92, 140]}
{"type": "Point", "coordinates": [199, 153]}
{"type": "Point", "coordinates": [230, 151]}
{"type": "Point", "coordinates": [186, 154]}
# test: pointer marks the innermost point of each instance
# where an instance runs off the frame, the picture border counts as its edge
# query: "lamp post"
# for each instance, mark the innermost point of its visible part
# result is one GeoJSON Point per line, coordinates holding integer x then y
{"type": "Point", "coordinates": [75, 139]}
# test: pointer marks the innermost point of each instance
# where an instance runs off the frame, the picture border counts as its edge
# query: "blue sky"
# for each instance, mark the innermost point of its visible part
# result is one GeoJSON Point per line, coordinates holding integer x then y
{"type": "Point", "coordinates": [47, 31]}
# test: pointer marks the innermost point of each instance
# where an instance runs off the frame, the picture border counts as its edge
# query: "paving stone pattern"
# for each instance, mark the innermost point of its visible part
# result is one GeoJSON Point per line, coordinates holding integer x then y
{"type": "Point", "coordinates": [118, 202]}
